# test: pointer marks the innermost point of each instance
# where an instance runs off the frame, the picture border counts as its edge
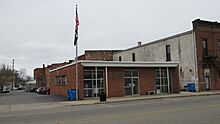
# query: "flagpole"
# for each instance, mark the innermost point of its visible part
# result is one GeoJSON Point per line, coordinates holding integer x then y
{"type": "Point", "coordinates": [77, 71]}
{"type": "Point", "coordinates": [76, 59]}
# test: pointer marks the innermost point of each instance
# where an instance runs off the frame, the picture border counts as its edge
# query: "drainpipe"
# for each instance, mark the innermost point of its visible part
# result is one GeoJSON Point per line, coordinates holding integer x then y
{"type": "Point", "coordinates": [106, 80]}
{"type": "Point", "coordinates": [195, 61]}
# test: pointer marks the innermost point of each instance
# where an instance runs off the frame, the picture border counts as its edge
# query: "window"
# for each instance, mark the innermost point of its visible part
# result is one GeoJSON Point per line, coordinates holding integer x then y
{"type": "Point", "coordinates": [168, 56]}
{"type": "Point", "coordinates": [162, 85]}
{"type": "Point", "coordinates": [133, 57]}
{"type": "Point", "coordinates": [64, 78]}
{"type": "Point", "coordinates": [61, 80]}
{"type": "Point", "coordinates": [58, 80]}
{"type": "Point", "coordinates": [205, 47]}
{"type": "Point", "coordinates": [119, 58]}
{"type": "Point", "coordinates": [204, 43]}
{"type": "Point", "coordinates": [93, 82]}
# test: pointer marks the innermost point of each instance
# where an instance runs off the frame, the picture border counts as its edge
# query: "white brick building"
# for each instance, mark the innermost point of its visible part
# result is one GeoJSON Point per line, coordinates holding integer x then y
{"type": "Point", "coordinates": [181, 51]}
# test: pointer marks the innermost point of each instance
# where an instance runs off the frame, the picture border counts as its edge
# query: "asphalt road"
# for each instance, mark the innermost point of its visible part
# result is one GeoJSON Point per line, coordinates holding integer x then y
{"type": "Point", "coordinates": [183, 110]}
{"type": "Point", "coordinates": [23, 97]}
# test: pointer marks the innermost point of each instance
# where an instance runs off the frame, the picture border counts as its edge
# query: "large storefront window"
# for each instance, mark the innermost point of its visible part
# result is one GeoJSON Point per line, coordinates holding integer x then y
{"type": "Point", "coordinates": [93, 83]}
{"type": "Point", "coordinates": [162, 80]}
{"type": "Point", "coordinates": [131, 82]}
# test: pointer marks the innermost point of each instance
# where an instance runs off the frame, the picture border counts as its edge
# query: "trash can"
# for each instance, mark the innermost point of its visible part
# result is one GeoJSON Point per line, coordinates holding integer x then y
{"type": "Point", "coordinates": [71, 94]}
{"type": "Point", "coordinates": [102, 97]}
{"type": "Point", "coordinates": [191, 87]}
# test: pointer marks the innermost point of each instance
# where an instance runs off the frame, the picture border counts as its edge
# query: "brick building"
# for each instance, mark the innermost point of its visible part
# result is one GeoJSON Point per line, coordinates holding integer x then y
{"type": "Point", "coordinates": [115, 78]}
{"type": "Point", "coordinates": [164, 66]}
{"type": "Point", "coordinates": [42, 75]}
{"type": "Point", "coordinates": [197, 51]}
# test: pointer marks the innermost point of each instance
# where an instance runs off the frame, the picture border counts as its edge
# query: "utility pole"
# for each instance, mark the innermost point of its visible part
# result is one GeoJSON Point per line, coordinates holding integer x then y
{"type": "Point", "coordinates": [13, 68]}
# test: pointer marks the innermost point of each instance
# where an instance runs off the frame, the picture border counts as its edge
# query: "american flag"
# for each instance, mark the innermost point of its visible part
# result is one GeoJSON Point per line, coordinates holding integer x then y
{"type": "Point", "coordinates": [76, 28]}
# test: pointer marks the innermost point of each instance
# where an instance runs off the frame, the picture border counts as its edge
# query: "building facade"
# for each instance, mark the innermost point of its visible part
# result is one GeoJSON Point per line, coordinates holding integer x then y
{"type": "Point", "coordinates": [42, 75]}
{"type": "Point", "coordinates": [207, 40]}
{"type": "Point", "coordinates": [163, 66]}
{"type": "Point", "coordinates": [197, 52]}
{"type": "Point", "coordinates": [116, 79]}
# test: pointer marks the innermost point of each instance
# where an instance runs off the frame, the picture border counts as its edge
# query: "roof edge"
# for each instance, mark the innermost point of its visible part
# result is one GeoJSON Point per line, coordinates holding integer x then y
{"type": "Point", "coordinates": [122, 63]}
{"type": "Point", "coordinates": [156, 41]}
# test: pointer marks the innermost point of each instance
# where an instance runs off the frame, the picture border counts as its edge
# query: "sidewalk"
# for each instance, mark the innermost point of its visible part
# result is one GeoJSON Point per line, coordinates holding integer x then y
{"type": "Point", "coordinates": [18, 107]}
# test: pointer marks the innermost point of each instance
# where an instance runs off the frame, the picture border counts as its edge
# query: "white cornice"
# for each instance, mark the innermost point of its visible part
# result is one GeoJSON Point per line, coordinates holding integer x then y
{"type": "Point", "coordinates": [89, 63]}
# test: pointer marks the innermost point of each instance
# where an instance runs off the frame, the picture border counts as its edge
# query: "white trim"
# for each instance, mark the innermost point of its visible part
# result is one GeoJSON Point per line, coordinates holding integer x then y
{"type": "Point", "coordinates": [127, 64]}
{"type": "Point", "coordinates": [61, 67]}
{"type": "Point", "coordinates": [89, 63]}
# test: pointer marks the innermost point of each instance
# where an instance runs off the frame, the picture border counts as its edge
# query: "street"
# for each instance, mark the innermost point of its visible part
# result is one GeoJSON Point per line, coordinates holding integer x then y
{"type": "Point", "coordinates": [182, 110]}
{"type": "Point", "coordinates": [23, 97]}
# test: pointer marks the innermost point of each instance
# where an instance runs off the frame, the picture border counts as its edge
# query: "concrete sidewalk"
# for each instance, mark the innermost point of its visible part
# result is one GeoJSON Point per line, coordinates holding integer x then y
{"type": "Point", "coordinates": [34, 106]}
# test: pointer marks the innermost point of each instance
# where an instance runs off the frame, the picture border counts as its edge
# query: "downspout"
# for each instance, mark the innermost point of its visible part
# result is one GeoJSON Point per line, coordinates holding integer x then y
{"type": "Point", "coordinates": [195, 60]}
{"type": "Point", "coordinates": [180, 62]}
{"type": "Point", "coordinates": [106, 80]}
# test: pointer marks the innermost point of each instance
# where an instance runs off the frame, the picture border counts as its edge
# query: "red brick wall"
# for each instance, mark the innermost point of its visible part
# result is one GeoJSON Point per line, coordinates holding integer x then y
{"type": "Point", "coordinates": [42, 75]}
{"type": "Point", "coordinates": [98, 55]}
{"type": "Point", "coordinates": [116, 82]}
{"type": "Point", "coordinates": [82, 57]}
{"type": "Point", "coordinates": [39, 76]}
{"type": "Point", "coordinates": [211, 32]}
{"type": "Point", "coordinates": [175, 83]}
{"type": "Point", "coordinates": [216, 79]}
{"type": "Point", "coordinates": [147, 80]}
{"type": "Point", "coordinates": [70, 73]}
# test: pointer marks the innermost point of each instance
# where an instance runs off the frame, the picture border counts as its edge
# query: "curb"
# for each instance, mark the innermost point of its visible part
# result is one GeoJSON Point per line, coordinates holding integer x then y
{"type": "Point", "coordinates": [191, 95]}
{"type": "Point", "coordinates": [139, 99]}
{"type": "Point", "coordinates": [28, 107]}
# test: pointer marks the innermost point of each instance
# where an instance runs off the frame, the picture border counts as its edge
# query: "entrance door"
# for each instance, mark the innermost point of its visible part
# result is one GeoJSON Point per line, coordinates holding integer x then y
{"type": "Point", "coordinates": [207, 82]}
{"type": "Point", "coordinates": [135, 86]}
{"type": "Point", "coordinates": [207, 78]}
{"type": "Point", "coordinates": [162, 80]}
{"type": "Point", "coordinates": [98, 86]}
{"type": "Point", "coordinates": [131, 83]}
{"type": "Point", "coordinates": [93, 83]}
{"type": "Point", "coordinates": [128, 86]}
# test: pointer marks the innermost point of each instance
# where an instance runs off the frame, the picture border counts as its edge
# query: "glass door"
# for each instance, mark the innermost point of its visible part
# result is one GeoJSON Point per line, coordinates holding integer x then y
{"type": "Point", "coordinates": [207, 81]}
{"type": "Point", "coordinates": [162, 80]}
{"type": "Point", "coordinates": [135, 86]}
{"type": "Point", "coordinates": [128, 86]}
{"type": "Point", "coordinates": [131, 82]}
{"type": "Point", "coordinates": [93, 83]}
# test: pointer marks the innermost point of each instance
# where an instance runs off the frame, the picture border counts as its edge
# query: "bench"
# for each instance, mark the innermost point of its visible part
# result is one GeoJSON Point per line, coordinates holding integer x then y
{"type": "Point", "coordinates": [150, 92]}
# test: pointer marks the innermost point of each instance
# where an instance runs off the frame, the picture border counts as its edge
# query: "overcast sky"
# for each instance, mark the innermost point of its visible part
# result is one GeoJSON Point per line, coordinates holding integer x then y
{"type": "Point", "coordinates": [36, 32]}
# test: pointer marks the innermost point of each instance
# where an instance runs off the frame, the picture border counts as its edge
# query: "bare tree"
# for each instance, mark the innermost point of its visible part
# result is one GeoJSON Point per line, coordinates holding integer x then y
{"type": "Point", "coordinates": [6, 76]}
{"type": "Point", "coordinates": [22, 73]}
{"type": "Point", "coordinates": [21, 77]}
{"type": "Point", "coordinates": [28, 78]}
